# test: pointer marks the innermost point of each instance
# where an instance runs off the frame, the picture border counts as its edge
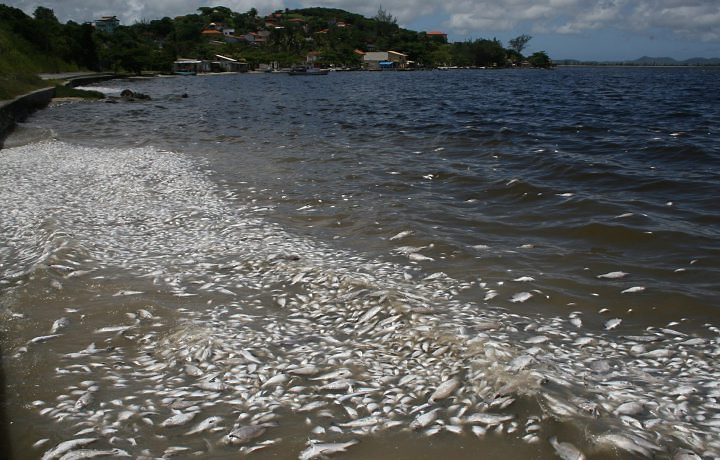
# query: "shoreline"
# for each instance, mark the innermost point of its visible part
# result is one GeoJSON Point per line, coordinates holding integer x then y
{"type": "Point", "coordinates": [14, 111]}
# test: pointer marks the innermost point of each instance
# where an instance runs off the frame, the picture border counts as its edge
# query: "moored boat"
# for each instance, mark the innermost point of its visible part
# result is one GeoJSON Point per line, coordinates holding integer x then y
{"type": "Point", "coordinates": [302, 70]}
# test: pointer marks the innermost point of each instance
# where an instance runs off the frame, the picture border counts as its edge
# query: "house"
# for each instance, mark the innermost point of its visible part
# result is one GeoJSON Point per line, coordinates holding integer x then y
{"type": "Point", "coordinates": [221, 63]}
{"type": "Point", "coordinates": [384, 60]}
{"type": "Point", "coordinates": [227, 64]}
{"type": "Point", "coordinates": [440, 36]}
{"type": "Point", "coordinates": [107, 24]}
{"type": "Point", "coordinates": [256, 38]}
{"type": "Point", "coordinates": [187, 66]}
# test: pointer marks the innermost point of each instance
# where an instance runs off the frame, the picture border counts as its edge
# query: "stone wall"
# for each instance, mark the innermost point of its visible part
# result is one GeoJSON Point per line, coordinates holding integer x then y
{"type": "Point", "coordinates": [18, 109]}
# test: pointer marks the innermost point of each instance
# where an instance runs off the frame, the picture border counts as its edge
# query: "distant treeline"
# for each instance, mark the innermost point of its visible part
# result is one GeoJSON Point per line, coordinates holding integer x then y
{"type": "Point", "coordinates": [42, 44]}
{"type": "Point", "coordinates": [645, 61]}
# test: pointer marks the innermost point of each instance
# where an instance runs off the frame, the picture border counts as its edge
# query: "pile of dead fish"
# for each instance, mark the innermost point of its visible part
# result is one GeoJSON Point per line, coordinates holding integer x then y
{"type": "Point", "coordinates": [287, 330]}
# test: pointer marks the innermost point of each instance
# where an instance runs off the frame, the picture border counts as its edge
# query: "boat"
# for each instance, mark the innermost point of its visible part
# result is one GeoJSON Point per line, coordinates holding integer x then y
{"type": "Point", "coordinates": [303, 70]}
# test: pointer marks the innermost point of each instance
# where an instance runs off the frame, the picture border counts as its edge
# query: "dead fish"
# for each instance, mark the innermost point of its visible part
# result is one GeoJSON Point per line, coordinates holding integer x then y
{"type": "Point", "coordinates": [334, 375]}
{"type": "Point", "coordinates": [401, 235]}
{"type": "Point", "coordinates": [417, 257]}
{"type": "Point", "coordinates": [213, 385]}
{"type": "Point", "coordinates": [322, 449]}
{"type": "Point", "coordinates": [633, 289]}
{"type": "Point", "coordinates": [59, 324]}
{"type": "Point", "coordinates": [123, 293]}
{"type": "Point", "coordinates": [304, 370]}
{"type": "Point", "coordinates": [423, 420]}
{"type": "Point", "coordinates": [612, 323]}
{"type": "Point", "coordinates": [244, 434]}
{"type": "Point", "coordinates": [630, 408]}
{"type": "Point", "coordinates": [338, 385]}
{"type": "Point", "coordinates": [193, 371]}
{"type": "Point", "coordinates": [67, 446]}
{"type": "Point", "coordinates": [524, 279]}
{"type": "Point", "coordinates": [444, 390]}
{"type": "Point", "coordinates": [278, 379]}
{"type": "Point", "coordinates": [566, 451]}
{"type": "Point", "coordinates": [250, 357]}
{"type": "Point", "coordinates": [521, 362]}
{"type": "Point", "coordinates": [43, 338]}
{"type": "Point", "coordinates": [684, 454]}
{"type": "Point", "coordinates": [520, 297]}
{"type": "Point", "coordinates": [485, 418]}
{"type": "Point", "coordinates": [85, 400]}
{"type": "Point", "coordinates": [205, 425]}
{"type": "Point", "coordinates": [112, 329]}
{"type": "Point", "coordinates": [613, 275]}
{"type": "Point", "coordinates": [362, 422]}
{"type": "Point", "coordinates": [178, 419]}
{"type": "Point", "coordinates": [618, 441]}
{"type": "Point", "coordinates": [92, 453]}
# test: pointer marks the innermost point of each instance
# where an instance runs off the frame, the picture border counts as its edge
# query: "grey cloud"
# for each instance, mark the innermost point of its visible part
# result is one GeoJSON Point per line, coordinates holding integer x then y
{"type": "Point", "coordinates": [691, 19]}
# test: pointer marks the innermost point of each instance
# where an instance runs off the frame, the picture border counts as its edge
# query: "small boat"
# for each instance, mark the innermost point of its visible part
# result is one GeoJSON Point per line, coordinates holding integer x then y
{"type": "Point", "coordinates": [302, 70]}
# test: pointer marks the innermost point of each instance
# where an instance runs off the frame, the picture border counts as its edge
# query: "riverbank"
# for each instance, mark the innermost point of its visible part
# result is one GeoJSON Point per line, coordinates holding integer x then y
{"type": "Point", "coordinates": [16, 110]}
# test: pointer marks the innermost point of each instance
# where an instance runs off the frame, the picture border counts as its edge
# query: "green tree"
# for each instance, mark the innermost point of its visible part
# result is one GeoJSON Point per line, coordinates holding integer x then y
{"type": "Point", "coordinates": [540, 59]}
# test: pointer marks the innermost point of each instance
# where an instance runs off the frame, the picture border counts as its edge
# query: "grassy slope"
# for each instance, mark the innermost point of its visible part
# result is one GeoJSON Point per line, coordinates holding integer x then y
{"type": "Point", "coordinates": [20, 64]}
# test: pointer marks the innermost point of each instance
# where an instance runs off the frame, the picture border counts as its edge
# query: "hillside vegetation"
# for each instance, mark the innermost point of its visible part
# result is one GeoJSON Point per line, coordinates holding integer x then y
{"type": "Point", "coordinates": [40, 43]}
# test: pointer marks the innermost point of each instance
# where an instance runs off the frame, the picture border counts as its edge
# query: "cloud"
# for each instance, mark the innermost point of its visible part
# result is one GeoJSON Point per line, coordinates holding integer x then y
{"type": "Point", "coordinates": [688, 19]}
{"type": "Point", "coordinates": [691, 19]}
{"type": "Point", "coordinates": [132, 11]}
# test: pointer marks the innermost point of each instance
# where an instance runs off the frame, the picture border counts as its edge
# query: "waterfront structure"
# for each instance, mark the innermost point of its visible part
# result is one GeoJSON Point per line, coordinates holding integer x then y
{"type": "Point", "coordinates": [385, 60]}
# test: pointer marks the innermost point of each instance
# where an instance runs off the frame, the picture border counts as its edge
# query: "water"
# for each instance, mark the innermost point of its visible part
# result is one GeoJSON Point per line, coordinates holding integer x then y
{"type": "Point", "coordinates": [482, 226]}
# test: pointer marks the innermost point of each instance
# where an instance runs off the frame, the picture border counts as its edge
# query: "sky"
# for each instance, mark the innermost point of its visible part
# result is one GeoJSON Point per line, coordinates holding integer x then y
{"type": "Point", "coordinates": [602, 30]}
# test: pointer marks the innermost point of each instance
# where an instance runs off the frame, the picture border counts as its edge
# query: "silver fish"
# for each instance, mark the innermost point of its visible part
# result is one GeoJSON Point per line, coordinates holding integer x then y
{"type": "Point", "coordinates": [485, 418]}
{"type": "Point", "coordinates": [244, 434]}
{"type": "Point", "coordinates": [304, 370]}
{"type": "Point", "coordinates": [205, 425]}
{"type": "Point", "coordinates": [323, 449]}
{"type": "Point", "coordinates": [362, 422]}
{"type": "Point", "coordinates": [178, 419]}
{"type": "Point", "coordinates": [423, 420]}
{"type": "Point", "coordinates": [566, 451]}
{"type": "Point", "coordinates": [338, 374]}
{"type": "Point", "coordinates": [43, 338]}
{"type": "Point", "coordinates": [444, 390]}
{"type": "Point", "coordinates": [85, 400]}
{"type": "Point", "coordinates": [613, 275]}
{"type": "Point", "coordinates": [60, 323]}
{"type": "Point", "coordinates": [92, 453]}
{"type": "Point", "coordinates": [66, 446]}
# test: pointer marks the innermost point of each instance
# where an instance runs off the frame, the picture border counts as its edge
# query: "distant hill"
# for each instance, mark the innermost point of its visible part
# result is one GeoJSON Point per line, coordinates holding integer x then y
{"type": "Point", "coordinates": [646, 61]}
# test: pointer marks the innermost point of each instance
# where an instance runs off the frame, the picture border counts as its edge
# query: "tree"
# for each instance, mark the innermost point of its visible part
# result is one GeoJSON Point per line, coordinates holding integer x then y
{"type": "Point", "coordinates": [519, 43]}
{"type": "Point", "coordinates": [540, 59]}
{"type": "Point", "coordinates": [384, 17]}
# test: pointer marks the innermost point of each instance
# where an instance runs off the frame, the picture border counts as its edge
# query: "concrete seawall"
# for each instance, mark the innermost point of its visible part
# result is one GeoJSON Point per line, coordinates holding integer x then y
{"type": "Point", "coordinates": [18, 109]}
